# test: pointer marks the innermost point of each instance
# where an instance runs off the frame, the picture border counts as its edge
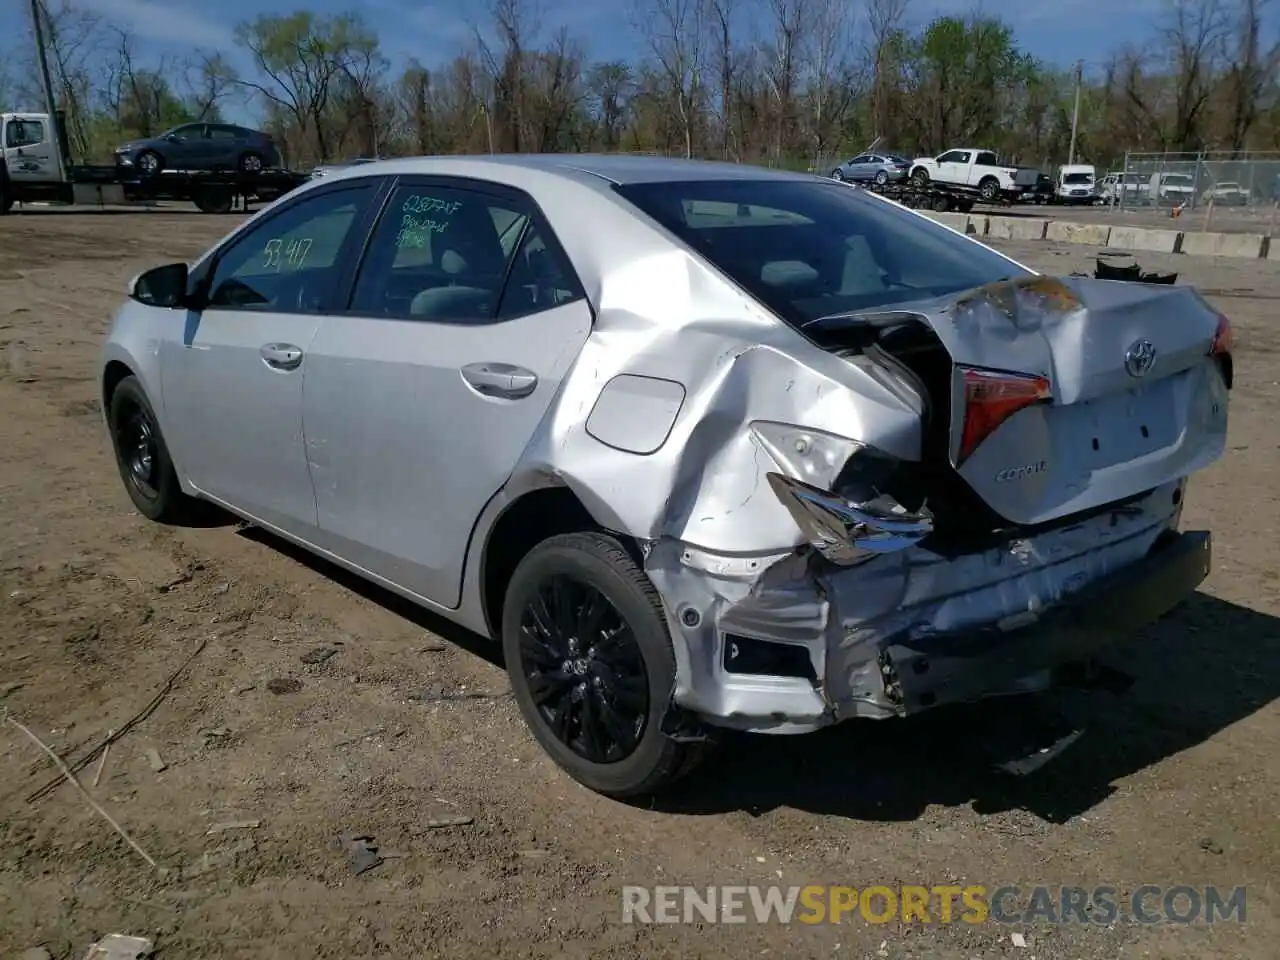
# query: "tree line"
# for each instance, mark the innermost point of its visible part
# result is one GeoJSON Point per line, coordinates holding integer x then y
{"type": "Point", "coordinates": [781, 82]}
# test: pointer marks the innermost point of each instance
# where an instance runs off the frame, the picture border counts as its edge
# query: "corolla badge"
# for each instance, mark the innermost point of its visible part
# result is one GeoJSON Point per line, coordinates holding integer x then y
{"type": "Point", "coordinates": [1139, 358]}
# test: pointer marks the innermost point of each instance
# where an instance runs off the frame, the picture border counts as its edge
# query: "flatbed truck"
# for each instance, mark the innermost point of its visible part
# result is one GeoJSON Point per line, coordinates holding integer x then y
{"type": "Point", "coordinates": [35, 167]}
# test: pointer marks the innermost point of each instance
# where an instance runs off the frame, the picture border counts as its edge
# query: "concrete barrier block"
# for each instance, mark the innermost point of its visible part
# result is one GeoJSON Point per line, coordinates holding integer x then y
{"type": "Point", "coordinates": [1139, 238]}
{"type": "Point", "coordinates": [1223, 245]}
{"type": "Point", "coordinates": [977, 225]}
{"type": "Point", "coordinates": [1016, 228]}
{"type": "Point", "coordinates": [1092, 234]}
{"type": "Point", "coordinates": [956, 221]}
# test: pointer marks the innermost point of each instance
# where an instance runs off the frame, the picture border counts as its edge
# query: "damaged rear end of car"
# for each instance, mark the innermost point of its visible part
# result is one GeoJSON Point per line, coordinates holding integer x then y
{"type": "Point", "coordinates": [1039, 523]}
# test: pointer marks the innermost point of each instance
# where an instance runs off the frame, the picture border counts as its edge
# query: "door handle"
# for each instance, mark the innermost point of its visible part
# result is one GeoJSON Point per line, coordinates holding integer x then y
{"type": "Point", "coordinates": [500, 380]}
{"type": "Point", "coordinates": [281, 356]}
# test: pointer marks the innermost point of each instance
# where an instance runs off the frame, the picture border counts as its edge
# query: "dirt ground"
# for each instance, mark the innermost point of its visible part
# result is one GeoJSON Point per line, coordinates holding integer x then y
{"type": "Point", "coordinates": [1173, 783]}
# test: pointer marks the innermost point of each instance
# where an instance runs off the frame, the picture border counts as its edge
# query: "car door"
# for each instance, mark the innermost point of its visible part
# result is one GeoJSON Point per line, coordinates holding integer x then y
{"type": "Point", "coordinates": [859, 167]}
{"type": "Point", "coordinates": [184, 147]}
{"type": "Point", "coordinates": [233, 378]}
{"type": "Point", "coordinates": [464, 317]}
{"type": "Point", "coordinates": [28, 150]}
{"type": "Point", "coordinates": [224, 145]}
{"type": "Point", "coordinates": [950, 169]}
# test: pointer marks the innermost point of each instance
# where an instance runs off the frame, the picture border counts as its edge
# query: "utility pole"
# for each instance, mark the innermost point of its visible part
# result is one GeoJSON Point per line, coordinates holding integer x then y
{"type": "Point", "coordinates": [50, 104]}
{"type": "Point", "coordinates": [1075, 114]}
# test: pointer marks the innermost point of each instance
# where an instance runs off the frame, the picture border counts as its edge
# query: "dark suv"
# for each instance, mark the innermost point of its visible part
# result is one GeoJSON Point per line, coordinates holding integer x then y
{"type": "Point", "coordinates": [200, 146]}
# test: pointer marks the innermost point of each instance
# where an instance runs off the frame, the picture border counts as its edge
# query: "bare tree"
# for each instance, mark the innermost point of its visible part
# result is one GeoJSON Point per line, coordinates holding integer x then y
{"type": "Point", "coordinates": [674, 31]}
{"type": "Point", "coordinates": [832, 85]}
{"type": "Point", "coordinates": [786, 53]}
{"type": "Point", "coordinates": [1254, 69]}
{"type": "Point", "coordinates": [720, 25]}
{"type": "Point", "coordinates": [884, 22]}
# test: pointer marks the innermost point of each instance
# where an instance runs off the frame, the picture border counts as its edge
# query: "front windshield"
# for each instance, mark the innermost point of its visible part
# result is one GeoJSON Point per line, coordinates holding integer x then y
{"type": "Point", "coordinates": [1177, 180]}
{"type": "Point", "coordinates": [1078, 178]}
{"type": "Point", "coordinates": [809, 249]}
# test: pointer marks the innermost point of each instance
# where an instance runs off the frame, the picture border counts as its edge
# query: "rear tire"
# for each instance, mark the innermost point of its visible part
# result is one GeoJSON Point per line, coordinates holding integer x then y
{"type": "Point", "coordinates": [214, 200]}
{"type": "Point", "coordinates": [250, 162]}
{"type": "Point", "coordinates": [583, 629]}
{"type": "Point", "coordinates": [989, 190]}
{"type": "Point", "coordinates": [143, 458]}
{"type": "Point", "coordinates": [882, 177]}
{"type": "Point", "coordinates": [6, 197]}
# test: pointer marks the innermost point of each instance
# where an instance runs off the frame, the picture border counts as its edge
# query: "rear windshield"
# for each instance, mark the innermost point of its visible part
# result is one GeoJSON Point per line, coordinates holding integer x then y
{"type": "Point", "coordinates": [809, 249]}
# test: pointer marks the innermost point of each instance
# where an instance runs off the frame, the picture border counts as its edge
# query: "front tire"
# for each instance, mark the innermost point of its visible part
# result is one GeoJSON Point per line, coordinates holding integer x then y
{"type": "Point", "coordinates": [143, 457]}
{"type": "Point", "coordinates": [591, 665]}
{"type": "Point", "coordinates": [250, 162]}
{"type": "Point", "coordinates": [837, 174]}
{"type": "Point", "coordinates": [149, 164]}
{"type": "Point", "coordinates": [920, 176]}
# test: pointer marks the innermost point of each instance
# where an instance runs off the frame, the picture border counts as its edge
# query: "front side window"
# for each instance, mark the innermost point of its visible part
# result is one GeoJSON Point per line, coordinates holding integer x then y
{"type": "Point", "coordinates": [444, 255]}
{"type": "Point", "coordinates": [287, 264]}
{"type": "Point", "coordinates": [23, 133]}
{"type": "Point", "coordinates": [809, 249]}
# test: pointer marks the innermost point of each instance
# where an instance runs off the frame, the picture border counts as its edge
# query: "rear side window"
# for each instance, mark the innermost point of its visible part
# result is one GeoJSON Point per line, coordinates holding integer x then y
{"type": "Point", "coordinates": [458, 256]}
{"type": "Point", "coordinates": [808, 249]}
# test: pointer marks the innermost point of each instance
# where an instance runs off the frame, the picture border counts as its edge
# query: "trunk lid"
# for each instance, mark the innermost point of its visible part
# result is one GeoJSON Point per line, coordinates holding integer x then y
{"type": "Point", "coordinates": [1110, 389]}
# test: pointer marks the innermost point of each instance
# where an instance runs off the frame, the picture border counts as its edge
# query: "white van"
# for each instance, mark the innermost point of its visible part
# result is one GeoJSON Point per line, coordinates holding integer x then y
{"type": "Point", "coordinates": [1075, 183]}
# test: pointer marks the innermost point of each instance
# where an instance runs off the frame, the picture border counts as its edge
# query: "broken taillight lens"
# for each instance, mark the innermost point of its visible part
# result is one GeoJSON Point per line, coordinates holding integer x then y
{"type": "Point", "coordinates": [1223, 344]}
{"type": "Point", "coordinates": [1223, 338]}
{"type": "Point", "coordinates": [993, 396]}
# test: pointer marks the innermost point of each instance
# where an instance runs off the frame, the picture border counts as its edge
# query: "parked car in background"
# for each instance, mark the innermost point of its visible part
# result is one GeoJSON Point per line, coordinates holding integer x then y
{"type": "Point", "coordinates": [1227, 193]}
{"type": "Point", "coordinates": [1171, 189]}
{"type": "Point", "coordinates": [200, 146]}
{"type": "Point", "coordinates": [701, 446]}
{"type": "Point", "coordinates": [325, 169]}
{"type": "Point", "coordinates": [1120, 187]}
{"type": "Point", "coordinates": [976, 169]}
{"type": "Point", "coordinates": [877, 167]}
{"type": "Point", "coordinates": [1075, 184]}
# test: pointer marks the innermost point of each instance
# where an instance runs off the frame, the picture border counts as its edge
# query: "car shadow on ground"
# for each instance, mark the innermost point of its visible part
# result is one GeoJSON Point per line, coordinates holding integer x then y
{"type": "Point", "coordinates": [460, 637]}
{"type": "Point", "coordinates": [1206, 666]}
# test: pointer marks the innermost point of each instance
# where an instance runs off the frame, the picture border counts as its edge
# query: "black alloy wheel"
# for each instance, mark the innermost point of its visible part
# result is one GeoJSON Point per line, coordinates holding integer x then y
{"type": "Point", "coordinates": [584, 669]}
{"type": "Point", "coordinates": [592, 667]}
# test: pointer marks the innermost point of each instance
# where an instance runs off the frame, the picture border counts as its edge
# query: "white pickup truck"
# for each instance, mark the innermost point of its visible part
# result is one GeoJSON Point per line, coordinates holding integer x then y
{"type": "Point", "coordinates": [972, 168]}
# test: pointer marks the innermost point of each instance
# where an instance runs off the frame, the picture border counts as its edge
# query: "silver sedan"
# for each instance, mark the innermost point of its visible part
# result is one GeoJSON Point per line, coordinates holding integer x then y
{"type": "Point", "coordinates": [879, 168]}
{"type": "Point", "coordinates": [701, 446]}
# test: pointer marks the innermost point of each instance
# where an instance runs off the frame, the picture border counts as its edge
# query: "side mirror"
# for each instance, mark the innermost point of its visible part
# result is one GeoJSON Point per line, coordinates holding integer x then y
{"type": "Point", "coordinates": [161, 286]}
{"type": "Point", "coordinates": [173, 138]}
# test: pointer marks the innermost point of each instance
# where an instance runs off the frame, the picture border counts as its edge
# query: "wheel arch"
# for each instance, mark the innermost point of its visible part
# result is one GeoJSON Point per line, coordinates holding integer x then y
{"type": "Point", "coordinates": [530, 518]}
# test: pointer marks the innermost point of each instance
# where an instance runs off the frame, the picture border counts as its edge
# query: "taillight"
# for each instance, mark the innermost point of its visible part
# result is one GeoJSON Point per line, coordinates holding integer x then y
{"type": "Point", "coordinates": [1223, 343]}
{"type": "Point", "coordinates": [1223, 338]}
{"type": "Point", "coordinates": [993, 396]}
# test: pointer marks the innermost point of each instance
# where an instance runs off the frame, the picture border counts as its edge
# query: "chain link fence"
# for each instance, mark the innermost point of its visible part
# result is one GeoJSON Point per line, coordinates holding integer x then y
{"type": "Point", "coordinates": [1247, 179]}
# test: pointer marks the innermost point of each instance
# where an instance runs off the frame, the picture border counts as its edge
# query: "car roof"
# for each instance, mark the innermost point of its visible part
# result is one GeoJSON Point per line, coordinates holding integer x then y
{"type": "Point", "coordinates": [614, 168]}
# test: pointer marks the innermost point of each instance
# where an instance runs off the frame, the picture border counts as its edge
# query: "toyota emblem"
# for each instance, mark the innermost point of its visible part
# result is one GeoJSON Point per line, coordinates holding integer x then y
{"type": "Point", "coordinates": [1139, 358]}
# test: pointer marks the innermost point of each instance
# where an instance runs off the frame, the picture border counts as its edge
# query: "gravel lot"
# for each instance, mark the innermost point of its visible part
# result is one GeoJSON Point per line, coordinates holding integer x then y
{"type": "Point", "coordinates": [1176, 782]}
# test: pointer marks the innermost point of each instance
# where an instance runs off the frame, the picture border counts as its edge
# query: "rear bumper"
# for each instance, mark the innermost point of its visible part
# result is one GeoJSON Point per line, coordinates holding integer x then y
{"type": "Point", "coordinates": [884, 639]}
{"type": "Point", "coordinates": [955, 668]}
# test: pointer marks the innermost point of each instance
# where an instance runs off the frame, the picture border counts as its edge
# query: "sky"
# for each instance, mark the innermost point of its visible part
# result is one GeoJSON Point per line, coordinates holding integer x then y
{"type": "Point", "coordinates": [1058, 31]}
